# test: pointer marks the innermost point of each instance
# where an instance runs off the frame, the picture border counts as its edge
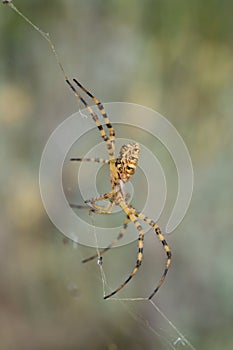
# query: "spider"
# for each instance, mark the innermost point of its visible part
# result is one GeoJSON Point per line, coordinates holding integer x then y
{"type": "Point", "coordinates": [122, 169]}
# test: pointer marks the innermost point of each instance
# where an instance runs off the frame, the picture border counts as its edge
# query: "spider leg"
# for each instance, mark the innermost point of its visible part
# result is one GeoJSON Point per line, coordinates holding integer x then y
{"type": "Point", "coordinates": [109, 142]}
{"type": "Point", "coordinates": [109, 207]}
{"type": "Point", "coordinates": [140, 251]}
{"type": "Point", "coordinates": [96, 160]}
{"type": "Point", "coordinates": [165, 247]}
{"type": "Point", "coordinates": [101, 252]}
{"type": "Point", "coordinates": [97, 199]}
{"type": "Point", "coordinates": [101, 109]}
{"type": "Point", "coordinates": [93, 210]}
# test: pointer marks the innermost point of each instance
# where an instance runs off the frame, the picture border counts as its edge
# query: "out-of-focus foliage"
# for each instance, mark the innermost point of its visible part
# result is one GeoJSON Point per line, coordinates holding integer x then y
{"type": "Point", "coordinates": [173, 56]}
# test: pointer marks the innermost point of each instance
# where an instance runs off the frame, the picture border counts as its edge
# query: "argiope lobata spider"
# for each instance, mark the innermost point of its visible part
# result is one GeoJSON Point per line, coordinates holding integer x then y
{"type": "Point", "coordinates": [121, 170]}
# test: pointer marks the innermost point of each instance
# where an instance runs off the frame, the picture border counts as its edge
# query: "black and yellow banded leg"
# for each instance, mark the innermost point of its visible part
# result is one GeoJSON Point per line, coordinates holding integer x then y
{"type": "Point", "coordinates": [101, 108]}
{"type": "Point", "coordinates": [90, 209]}
{"type": "Point", "coordinates": [107, 208]}
{"type": "Point", "coordinates": [165, 247]}
{"type": "Point", "coordinates": [139, 255]}
{"type": "Point", "coordinates": [96, 208]}
{"type": "Point", "coordinates": [96, 160]}
{"type": "Point", "coordinates": [97, 199]}
{"type": "Point", "coordinates": [114, 242]}
{"type": "Point", "coordinates": [86, 207]}
{"type": "Point", "coordinates": [95, 118]}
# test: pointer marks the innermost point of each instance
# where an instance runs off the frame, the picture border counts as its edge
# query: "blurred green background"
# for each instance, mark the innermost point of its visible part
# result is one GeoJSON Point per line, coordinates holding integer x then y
{"type": "Point", "coordinates": [174, 57]}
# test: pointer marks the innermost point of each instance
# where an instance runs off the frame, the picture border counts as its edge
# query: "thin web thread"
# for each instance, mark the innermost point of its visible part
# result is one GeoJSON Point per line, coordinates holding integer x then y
{"type": "Point", "coordinates": [46, 36]}
{"type": "Point", "coordinates": [133, 314]}
{"type": "Point", "coordinates": [180, 340]}
{"type": "Point", "coordinates": [102, 274]}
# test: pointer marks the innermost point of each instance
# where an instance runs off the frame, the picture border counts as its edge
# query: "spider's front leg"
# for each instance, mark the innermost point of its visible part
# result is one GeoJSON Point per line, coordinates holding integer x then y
{"type": "Point", "coordinates": [110, 140]}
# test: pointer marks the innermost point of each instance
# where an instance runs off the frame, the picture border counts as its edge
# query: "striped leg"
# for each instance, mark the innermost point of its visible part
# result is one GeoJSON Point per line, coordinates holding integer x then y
{"type": "Point", "coordinates": [165, 247]}
{"type": "Point", "coordinates": [94, 210]}
{"type": "Point", "coordinates": [98, 209]}
{"type": "Point", "coordinates": [102, 110]}
{"type": "Point", "coordinates": [139, 255]}
{"type": "Point", "coordinates": [108, 208]}
{"type": "Point", "coordinates": [97, 199]}
{"type": "Point", "coordinates": [121, 234]}
{"type": "Point", "coordinates": [109, 142]}
{"type": "Point", "coordinates": [96, 160]}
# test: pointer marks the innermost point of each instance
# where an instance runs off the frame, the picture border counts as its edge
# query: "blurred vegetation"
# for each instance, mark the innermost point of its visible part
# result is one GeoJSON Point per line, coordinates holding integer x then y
{"type": "Point", "coordinates": [172, 56]}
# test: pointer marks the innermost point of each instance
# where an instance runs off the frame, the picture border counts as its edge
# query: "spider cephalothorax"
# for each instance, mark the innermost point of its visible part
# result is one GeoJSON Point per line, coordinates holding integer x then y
{"type": "Point", "coordinates": [127, 161]}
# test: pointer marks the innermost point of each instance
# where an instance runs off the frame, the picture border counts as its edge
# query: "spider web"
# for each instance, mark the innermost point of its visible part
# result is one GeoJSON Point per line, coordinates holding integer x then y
{"type": "Point", "coordinates": [172, 338]}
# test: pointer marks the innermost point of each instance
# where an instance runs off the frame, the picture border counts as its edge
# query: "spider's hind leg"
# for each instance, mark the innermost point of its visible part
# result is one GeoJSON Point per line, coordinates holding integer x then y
{"type": "Point", "coordinates": [114, 242]}
{"type": "Point", "coordinates": [165, 248]}
{"type": "Point", "coordinates": [140, 251]}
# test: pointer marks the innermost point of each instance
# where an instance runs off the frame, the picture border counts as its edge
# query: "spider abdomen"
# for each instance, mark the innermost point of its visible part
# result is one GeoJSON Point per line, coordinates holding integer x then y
{"type": "Point", "coordinates": [127, 161]}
